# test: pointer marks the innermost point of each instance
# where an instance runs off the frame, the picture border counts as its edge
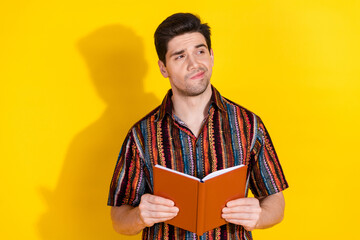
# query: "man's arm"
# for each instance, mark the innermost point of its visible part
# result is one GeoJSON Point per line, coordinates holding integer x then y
{"type": "Point", "coordinates": [152, 209]}
{"type": "Point", "coordinates": [253, 213]}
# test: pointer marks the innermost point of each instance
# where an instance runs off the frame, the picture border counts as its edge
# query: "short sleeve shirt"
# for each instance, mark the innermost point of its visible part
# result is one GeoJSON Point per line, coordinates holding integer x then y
{"type": "Point", "coordinates": [230, 135]}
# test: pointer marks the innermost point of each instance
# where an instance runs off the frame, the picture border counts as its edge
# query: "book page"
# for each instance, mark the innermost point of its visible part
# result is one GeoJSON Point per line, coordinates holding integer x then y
{"type": "Point", "coordinates": [177, 172]}
{"type": "Point", "coordinates": [220, 172]}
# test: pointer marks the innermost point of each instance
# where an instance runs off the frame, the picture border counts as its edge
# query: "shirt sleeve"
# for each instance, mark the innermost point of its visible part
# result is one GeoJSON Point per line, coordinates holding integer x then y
{"type": "Point", "coordinates": [266, 174]}
{"type": "Point", "coordinates": [128, 182]}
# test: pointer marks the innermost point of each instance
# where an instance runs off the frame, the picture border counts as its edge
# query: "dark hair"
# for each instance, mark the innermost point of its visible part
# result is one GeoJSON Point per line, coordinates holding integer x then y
{"type": "Point", "coordinates": [175, 25]}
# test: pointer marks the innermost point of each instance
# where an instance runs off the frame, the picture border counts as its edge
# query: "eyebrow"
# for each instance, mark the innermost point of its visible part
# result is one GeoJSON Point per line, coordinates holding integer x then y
{"type": "Point", "coordinates": [177, 53]}
{"type": "Point", "coordinates": [182, 51]}
{"type": "Point", "coordinates": [200, 45]}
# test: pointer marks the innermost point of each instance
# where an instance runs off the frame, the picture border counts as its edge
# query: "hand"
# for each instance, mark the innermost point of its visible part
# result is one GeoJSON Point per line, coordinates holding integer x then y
{"type": "Point", "coordinates": [243, 211]}
{"type": "Point", "coordinates": [154, 209]}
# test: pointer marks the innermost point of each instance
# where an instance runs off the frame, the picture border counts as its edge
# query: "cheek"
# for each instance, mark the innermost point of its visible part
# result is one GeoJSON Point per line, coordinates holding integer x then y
{"type": "Point", "coordinates": [176, 71]}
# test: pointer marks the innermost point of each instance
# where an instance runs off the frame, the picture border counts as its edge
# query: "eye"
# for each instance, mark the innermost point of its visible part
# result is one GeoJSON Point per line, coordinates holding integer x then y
{"type": "Point", "coordinates": [202, 51]}
{"type": "Point", "coordinates": [179, 57]}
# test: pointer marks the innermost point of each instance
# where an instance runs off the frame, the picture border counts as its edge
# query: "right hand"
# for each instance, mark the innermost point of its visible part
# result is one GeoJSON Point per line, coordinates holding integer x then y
{"type": "Point", "coordinates": [154, 209]}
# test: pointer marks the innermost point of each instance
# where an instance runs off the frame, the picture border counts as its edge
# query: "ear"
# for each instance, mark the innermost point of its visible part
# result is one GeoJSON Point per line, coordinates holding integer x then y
{"type": "Point", "coordinates": [163, 69]}
{"type": "Point", "coordinates": [212, 56]}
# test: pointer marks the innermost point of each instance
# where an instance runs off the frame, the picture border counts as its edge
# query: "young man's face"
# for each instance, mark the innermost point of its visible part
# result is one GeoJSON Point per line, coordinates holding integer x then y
{"type": "Point", "coordinates": [188, 64]}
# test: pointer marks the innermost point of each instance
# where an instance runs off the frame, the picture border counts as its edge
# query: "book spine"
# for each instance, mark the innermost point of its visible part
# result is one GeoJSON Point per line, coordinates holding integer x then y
{"type": "Point", "coordinates": [200, 223]}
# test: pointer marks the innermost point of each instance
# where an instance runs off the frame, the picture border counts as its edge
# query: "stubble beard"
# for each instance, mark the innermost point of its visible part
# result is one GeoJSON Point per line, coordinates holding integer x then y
{"type": "Point", "coordinates": [195, 87]}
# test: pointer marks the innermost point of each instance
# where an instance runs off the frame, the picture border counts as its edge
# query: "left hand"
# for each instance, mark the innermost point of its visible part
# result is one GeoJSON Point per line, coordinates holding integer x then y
{"type": "Point", "coordinates": [243, 211]}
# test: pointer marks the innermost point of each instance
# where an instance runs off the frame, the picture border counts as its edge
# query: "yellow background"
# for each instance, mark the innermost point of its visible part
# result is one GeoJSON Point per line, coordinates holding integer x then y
{"type": "Point", "coordinates": [75, 75]}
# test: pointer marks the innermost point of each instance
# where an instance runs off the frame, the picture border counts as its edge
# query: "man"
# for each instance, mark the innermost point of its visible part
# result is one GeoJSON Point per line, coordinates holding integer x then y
{"type": "Point", "coordinates": [196, 131]}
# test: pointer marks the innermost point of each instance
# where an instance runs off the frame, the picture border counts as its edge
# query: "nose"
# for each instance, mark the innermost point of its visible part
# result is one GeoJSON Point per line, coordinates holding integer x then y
{"type": "Point", "coordinates": [192, 62]}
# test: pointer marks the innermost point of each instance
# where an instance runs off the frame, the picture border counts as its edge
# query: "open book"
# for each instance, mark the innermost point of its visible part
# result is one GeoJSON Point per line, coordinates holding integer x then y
{"type": "Point", "coordinates": [200, 201]}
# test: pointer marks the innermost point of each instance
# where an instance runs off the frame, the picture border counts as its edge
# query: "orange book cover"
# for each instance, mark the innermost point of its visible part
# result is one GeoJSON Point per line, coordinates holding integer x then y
{"type": "Point", "coordinates": [200, 201]}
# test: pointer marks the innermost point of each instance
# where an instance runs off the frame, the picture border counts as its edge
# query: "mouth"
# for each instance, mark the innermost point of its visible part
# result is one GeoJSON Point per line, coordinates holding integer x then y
{"type": "Point", "coordinates": [198, 75]}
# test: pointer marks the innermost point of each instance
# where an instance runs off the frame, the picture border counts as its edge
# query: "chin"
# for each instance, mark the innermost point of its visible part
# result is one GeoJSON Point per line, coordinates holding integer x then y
{"type": "Point", "coordinates": [193, 91]}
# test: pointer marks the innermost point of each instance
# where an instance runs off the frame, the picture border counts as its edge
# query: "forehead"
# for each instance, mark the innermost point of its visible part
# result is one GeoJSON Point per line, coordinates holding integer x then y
{"type": "Point", "coordinates": [185, 41]}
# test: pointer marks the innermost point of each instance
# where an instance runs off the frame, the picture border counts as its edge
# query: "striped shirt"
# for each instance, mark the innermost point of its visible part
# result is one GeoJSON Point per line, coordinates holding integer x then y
{"type": "Point", "coordinates": [230, 135]}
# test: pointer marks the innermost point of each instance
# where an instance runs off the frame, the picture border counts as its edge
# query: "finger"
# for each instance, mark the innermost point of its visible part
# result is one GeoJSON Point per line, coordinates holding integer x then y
{"type": "Point", "coordinates": [159, 215]}
{"type": "Point", "coordinates": [248, 225]}
{"type": "Point", "coordinates": [148, 206]}
{"type": "Point", "coordinates": [240, 216]}
{"type": "Point", "coordinates": [242, 209]}
{"type": "Point", "coordinates": [159, 200]}
{"type": "Point", "coordinates": [242, 222]}
{"type": "Point", "coordinates": [158, 220]}
{"type": "Point", "coordinates": [243, 202]}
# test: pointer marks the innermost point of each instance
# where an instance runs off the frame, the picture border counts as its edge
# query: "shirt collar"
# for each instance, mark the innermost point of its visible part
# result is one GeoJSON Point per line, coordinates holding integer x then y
{"type": "Point", "coordinates": [166, 105]}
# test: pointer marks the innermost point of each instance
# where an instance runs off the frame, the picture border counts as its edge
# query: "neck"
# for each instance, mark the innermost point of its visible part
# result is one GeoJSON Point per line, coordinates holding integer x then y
{"type": "Point", "coordinates": [192, 109]}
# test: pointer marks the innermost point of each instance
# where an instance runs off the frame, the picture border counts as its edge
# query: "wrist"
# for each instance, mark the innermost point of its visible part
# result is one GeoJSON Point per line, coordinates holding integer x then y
{"type": "Point", "coordinates": [140, 222]}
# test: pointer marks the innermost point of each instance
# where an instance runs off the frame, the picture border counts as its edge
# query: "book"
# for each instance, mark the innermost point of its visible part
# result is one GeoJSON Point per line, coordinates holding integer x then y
{"type": "Point", "coordinates": [200, 201]}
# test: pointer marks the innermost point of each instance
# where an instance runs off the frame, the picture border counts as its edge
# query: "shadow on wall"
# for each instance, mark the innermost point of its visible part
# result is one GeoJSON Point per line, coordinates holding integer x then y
{"type": "Point", "coordinates": [77, 209]}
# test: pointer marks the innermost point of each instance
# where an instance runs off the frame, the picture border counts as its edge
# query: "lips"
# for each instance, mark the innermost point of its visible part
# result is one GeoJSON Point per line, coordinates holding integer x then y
{"type": "Point", "coordinates": [198, 75]}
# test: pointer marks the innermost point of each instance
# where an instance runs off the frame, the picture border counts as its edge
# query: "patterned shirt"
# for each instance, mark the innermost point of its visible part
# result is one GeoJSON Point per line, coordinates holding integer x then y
{"type": "Point", "coordinates": [230, 135]}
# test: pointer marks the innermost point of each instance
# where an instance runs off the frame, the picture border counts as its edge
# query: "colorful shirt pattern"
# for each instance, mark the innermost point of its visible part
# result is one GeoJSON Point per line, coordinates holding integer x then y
{"type": "Point", "coordinates": [230, 135]}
